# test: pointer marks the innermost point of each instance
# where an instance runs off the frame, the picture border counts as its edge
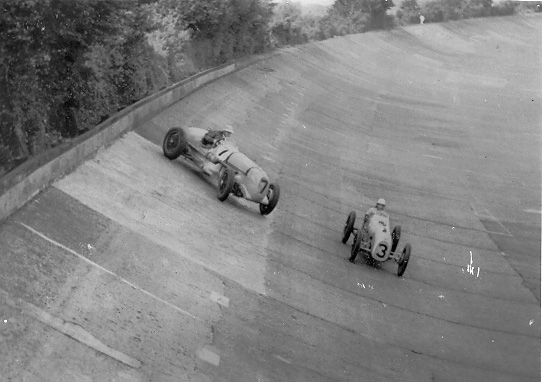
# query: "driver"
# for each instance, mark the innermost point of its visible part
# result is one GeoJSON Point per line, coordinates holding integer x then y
{"type": "Point", "coordinates": [374, 217]}
{"type": "Point", "coordinates": [382, 217]}
{"type": "Point", "coordinates": [377, 210]}
{"type": "Point", "coordinates": [209, 140]}
{"type": "Point", "coordinates": [213, 136]}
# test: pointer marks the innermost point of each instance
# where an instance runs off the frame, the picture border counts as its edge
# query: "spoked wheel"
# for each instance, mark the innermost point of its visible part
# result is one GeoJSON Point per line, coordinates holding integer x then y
{"type": "Point", "coordinates": [395, 236]}
{"type": "Point", "coordinates": [273, 195]}
{"type": "Point", "coordinates": [349, 226]}
{"type": "Point", "coordinates": [355, 247]}
{"type": "Point", "coordinates": [403, 262]}
{"type": "Point", "coordinates": [225, 184]}
{"type": "Point", "coordinates": [174, 143]}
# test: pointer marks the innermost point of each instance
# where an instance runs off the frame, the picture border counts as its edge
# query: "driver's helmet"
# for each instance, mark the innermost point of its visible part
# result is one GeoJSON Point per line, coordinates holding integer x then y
{"type": "Point", "coordinates": [227, 130]}
{"type": "Point", "coordinates": [380, 204]}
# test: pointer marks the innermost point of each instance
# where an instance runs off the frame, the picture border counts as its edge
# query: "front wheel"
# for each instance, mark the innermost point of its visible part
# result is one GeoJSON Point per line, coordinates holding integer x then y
{"type": "Point", "coordinates": [273, 195]}
{"type": "Point", "coordinates": [355, 247]}
{"type": "Point", "coordinates": [404, 260]}
{"type": "Point", "coordinates": [174, 143]}
{"type": "Point", "coordinates": [225, 184]}
{"type": "Point", "coordinates": [395, 236]}
{"type": "Point", "coordinates": [349, 226]}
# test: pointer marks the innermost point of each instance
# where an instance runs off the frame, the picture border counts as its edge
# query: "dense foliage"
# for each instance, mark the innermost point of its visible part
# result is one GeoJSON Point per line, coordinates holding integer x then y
{"type": "Point", "coordinates": [446, 10]}
{"type": "Point", "coordinates": [66, 65]}
{"type": "Point", "coordinates": [356, 16]}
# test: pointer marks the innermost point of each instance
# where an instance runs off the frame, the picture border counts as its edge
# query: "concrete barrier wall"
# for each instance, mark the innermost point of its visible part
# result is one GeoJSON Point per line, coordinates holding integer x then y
{"type": "Point", "coordinates": [23, 183]}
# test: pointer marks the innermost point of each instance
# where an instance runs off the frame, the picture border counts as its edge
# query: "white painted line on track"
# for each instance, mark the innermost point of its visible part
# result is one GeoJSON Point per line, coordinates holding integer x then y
{"type": "Point", "coordinates": [282, 359]}
{"type": "Point", "coordinates": [489, 214]}
{"type": "Point", "coordinates": [499, 233]}
{"type": "Point", "coordinates": [532, 211]}
{"type": "Point", "coordinates": [220, 299]}
{"type": "Point", "coordinates": [209, 356]}
{"type": "Point", "coordinates": [498, 222]}
{"type": "Point", "coordinates": [268, 158]}
{"type": "Point", "coordinates": [431, 156]}
{"type": "Point", "coordinates": [110, 272]}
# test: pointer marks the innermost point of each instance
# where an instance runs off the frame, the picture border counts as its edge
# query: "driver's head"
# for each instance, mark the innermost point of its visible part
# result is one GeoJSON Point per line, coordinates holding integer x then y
{"type": "Point", "coordinates": [227, 131]}
{"type": "Point", "coordinates": [380, 204]}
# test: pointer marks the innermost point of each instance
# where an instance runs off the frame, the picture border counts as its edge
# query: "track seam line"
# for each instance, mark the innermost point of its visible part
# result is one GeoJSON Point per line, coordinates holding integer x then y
{"type": "Point", "coordinates": [81, 257]}
{"type": "Point", "coordinates": [72, 330]}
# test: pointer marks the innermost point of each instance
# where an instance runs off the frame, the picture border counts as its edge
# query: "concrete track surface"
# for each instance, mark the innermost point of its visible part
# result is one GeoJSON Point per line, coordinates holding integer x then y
{"type": "Point", "coordinates": [130, 269]}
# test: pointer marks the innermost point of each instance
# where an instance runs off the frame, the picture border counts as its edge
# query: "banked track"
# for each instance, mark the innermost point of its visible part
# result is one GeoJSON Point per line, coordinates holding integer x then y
{"type": "Point", "coordinates": [130, 269]}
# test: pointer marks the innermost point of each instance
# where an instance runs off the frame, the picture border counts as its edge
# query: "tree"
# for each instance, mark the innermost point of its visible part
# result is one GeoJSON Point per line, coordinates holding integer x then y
{"type": "Point", "coordinates": [223, 29]}
{"type": "Point", "coordinates": [356, 16]}
{"type": "Point", "coordinates": [286, 25]}
{"type": "Point", "coordinates": [409, 12]}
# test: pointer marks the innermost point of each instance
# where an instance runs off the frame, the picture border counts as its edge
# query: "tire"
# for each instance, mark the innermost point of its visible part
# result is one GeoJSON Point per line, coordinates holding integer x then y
{"type": "Point", "coordinates": [355, 247]}
{"type": "Point", "coordinates": [274, 191]}
{"type": "Point", "coordinates": [349, 226]}
{"type": "Point", "coordinates": [404, 260]}
{"type": "Point", "coordinates": [174, 143]}
{"type": "Point", "coordinates": [225, 184]}
{"type": "Point", "coordinates": [395, 236]}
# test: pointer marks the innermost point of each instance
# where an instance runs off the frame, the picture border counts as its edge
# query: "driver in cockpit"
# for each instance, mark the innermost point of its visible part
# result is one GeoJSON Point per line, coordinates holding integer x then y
{"type": "Point", "coordinates": [213, 136]}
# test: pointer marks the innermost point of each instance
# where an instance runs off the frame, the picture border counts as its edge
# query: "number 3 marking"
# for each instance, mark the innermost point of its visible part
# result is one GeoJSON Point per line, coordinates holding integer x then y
{"type": "Point", "coordinates": [381, 251]}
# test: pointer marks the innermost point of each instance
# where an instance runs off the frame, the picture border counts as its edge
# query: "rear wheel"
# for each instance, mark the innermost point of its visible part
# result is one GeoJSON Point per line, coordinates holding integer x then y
{"type": "Point", "coordinates": [349, 226]}
{"type": "Point", "coordinates": [273, 195]}
{"type": "Point", "coordinates": [405, 256]}
{"type": "Point", "coordinates": [355, 247]}
{"type": "Point", "coordinates": [395, 236]}
{"type": "Point", "coordinates": [174, 143]}
{"type": "Point", "coordinates": [225, 184]}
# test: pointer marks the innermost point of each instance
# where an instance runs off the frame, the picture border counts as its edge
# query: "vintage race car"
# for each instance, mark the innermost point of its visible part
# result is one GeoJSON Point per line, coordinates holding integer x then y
{"type": "Point", "coordinates": [235, 172]}
{"type": "Point", "coordinates": [375, 241]}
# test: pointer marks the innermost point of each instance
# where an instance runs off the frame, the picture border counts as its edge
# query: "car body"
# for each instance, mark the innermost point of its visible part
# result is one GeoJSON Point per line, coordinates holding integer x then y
{"type": "Point", "coordinates": [235, 172]}
{"type": "Point", "coordinates": [375, 240]}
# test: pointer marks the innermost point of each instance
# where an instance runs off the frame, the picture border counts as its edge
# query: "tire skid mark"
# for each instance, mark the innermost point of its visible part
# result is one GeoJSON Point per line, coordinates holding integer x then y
{"type": "Point", "coordinates": [287, 265]}
{"type": "Point", "coordinates": [325, 206]}
{"type": "Point", "coordinates": [414, 279]}
{"type": "Point", "coordinates": [453, 242]}
{"type": "Point", "coordinates": [373, 180]}
{"type": "Point", "coordinates": [412, 234]}
{"type": "Point", "coordinates": [396, 345]}
{"type": "Point", "coordinates": [429, 237]}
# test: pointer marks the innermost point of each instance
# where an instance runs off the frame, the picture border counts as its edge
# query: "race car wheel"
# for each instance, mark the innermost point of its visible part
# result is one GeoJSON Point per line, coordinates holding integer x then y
{"type": "Point", "coordinates": [355, 247]}
{"type": "Point", "coordinates": [273, 195]}
{"type": "Point", "coordinates": [174, 143]}
{"type": "Point", "coordinates": [405, 256]}
{"type": "Point", "coordinates": [225, 184]}
{"type": "Point", "coordinates": [395, 236]}
{"type": "Point", "coordinates": [349, 226]}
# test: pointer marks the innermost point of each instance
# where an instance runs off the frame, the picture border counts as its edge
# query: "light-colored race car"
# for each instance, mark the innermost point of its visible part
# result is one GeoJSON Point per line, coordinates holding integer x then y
{"type": "Point", "coordinates": [235, 172]}
{"type": "Point", "coordinates": [375, 241]}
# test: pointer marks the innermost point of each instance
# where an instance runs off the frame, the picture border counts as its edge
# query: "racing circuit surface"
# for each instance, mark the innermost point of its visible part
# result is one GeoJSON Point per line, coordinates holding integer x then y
{"type": "Point", "coordinates": [130, 269]}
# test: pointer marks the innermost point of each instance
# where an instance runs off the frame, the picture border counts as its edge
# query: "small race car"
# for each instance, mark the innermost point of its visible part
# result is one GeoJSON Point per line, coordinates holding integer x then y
{"type": "Point", "coordinates": [235, 172]}
{"type": "Point", "coordinates": [375, 241]}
